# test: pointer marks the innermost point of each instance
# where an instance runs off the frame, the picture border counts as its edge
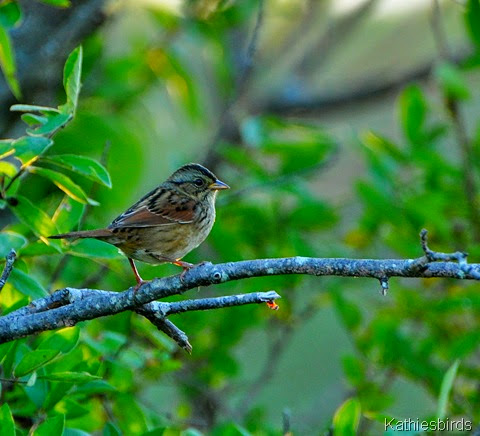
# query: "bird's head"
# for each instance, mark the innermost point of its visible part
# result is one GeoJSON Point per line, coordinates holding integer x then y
{"type": "Point", "coordinates": [197, 181]}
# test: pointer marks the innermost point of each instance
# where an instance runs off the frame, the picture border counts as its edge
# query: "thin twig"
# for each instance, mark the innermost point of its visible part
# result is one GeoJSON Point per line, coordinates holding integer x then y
{"type": "Point", "coordinates": [13, 381]}
{"type": "Point", "coordinates": [215, 303]}
{"type": "Point", "coordinates": [286, 418]}
{"type": "Point", "coordinates": [281, 180]}
{"type": "Point", "coordinates": [242, 81]}
{"type": "Point", "coordinates": [7, 269]}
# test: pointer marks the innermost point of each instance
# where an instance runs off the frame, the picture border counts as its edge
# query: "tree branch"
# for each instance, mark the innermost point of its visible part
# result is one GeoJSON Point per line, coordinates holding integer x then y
{"type": "Point", "coordinates": [7, 269]}
{"type": "Point", "coordinates": [225, 122]}
{"type": "Point", "coordinates": [69, 306]}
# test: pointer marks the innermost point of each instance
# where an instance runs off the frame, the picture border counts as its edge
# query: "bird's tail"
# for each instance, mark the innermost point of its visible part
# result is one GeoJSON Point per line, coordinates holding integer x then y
{"type": "Point", "coordinates": [97, 234]}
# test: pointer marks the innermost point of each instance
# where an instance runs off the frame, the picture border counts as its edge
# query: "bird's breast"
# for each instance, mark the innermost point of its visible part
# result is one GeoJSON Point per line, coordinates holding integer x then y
{"type": "Point", "coordinates": [165, 243]}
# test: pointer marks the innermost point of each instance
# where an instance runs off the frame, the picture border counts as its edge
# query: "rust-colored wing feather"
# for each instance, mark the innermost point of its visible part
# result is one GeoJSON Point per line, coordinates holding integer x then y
{"type": "Point", "coordinates": [158, 208]}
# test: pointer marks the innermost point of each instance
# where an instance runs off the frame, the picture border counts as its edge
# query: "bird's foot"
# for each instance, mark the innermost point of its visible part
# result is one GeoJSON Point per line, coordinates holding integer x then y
{"type": "Point", "coordinates": [140, 283]}
{"type": "Point", "coordinates": [185, 265]}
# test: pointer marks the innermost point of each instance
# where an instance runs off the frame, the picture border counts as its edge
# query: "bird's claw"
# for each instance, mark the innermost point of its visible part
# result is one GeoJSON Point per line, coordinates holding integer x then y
{"type": "Point", "coordinates": [140, 284]}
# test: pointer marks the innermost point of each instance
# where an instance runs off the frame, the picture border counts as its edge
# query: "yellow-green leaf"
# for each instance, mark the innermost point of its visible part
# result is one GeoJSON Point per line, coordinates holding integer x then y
{"type": "Point", "coordinates": [447, 384]}
{"type": "Point", "coordinates": [64, 183]}
{"type": "Point", "coordinates": [63, 340]}
{"type": "Point", "coordinates": [53, 123]}
{"type": "Point", "coordinates": [51, 426]}
{"type": "Point", "coordinates": [7, 168]}
{"type": "Point", "coordinates": [36, 219]}
{"type": "Point", "coordinates": [472, 20]}
{"type": "Point", "coordinates": [9, 240]}
{"type": "Point", "coordinates": [26, 284]}
{"type": "Point", "coordinates": [58, 3]}
{"type": "Point", "coordinates": [33, 108]}
{"type": "Point", "coordinates": [71, 78]}
{"type": "Point", "coordinates": [347, 418]}
{"type": "Point", "coordinates": [70, 377]}
{"type": "Point", "coordinates": [28, 148]}
{"type": "Point", "coordinates": [83, 165]}
{"type": "Point", "coordinates": [34, 360]}
{"type": "Point", "coordinates": [10, 14]}
{"type": "Point", "coordinates": [7, 63]}
{"type": "Point", "coordinates": [6, 421]}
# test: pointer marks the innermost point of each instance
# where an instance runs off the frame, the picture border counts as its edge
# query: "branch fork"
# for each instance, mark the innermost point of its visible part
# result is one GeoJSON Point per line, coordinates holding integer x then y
{"type": "Point", "coordinates": [69, 306]}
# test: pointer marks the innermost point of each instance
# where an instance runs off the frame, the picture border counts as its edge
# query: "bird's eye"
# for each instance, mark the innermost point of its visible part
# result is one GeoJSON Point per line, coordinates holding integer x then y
{"type": "Point", "coordinates": [198, 182]}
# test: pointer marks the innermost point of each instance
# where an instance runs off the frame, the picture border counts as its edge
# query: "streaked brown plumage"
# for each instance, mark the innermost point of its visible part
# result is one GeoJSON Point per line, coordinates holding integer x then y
{"type": "Point", "coordinates": [165, 224]}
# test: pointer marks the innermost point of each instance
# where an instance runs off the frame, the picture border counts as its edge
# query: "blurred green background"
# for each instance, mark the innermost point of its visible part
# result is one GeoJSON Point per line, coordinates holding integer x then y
{"type": "Point", "coordinates": [343, 127]}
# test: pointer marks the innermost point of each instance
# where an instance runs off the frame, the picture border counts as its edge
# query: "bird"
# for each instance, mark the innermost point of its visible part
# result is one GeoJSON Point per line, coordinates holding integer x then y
{"type": "Point", "coordinates": [165, 224]}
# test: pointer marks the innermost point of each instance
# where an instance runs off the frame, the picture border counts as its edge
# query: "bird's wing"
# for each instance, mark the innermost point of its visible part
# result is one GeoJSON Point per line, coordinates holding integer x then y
{"type": "Point", "coordinates": [158, 208]}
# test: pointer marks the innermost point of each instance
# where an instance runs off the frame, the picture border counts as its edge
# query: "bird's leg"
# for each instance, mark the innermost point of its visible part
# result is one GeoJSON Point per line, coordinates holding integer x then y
{"type": "Point", "coordinates": [138, 278]}
{"type": "Point", "coordinates": [185, 265]}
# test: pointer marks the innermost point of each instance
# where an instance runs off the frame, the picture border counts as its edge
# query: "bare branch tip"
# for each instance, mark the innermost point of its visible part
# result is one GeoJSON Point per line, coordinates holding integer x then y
{"type": "Point", "coordinates": [384, 285]}
{"type": "Point", "coordinates": [188, 347]}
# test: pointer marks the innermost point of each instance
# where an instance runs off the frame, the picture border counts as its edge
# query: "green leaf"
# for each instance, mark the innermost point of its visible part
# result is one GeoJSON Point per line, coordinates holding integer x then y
{"type": "Point", "coordinates": [95, 387]}
{"type": "Point", "coordinates": [6, 421]}
{"type": "Point", "coordinates": [56, 393]}
{"type": "Point", "coordinates": [6, 148]}
{"type": "Point", "coordinates": [34, 360]}
{"type": "Point", "coordinates": [53, 123]}
{"type": "Point", "coordinates": [110, 430]}
{"type": "Point", "coordinates": [34, 108]}
{"type": "Point", "coordinates": [26, 284]}
{"type": "Point", "coordinates": [7, 63]}
{"type": "Point", "coordinates": [9, 240]}
{"type": "Point", "coordinates": [39, 249]}
{"type": "Point", "coordinates": [413, 111]}
{"type": "Point", "coordinates": [10, 14]}
{"type": "Point", "coordinates": [472, 20]}
{"type": "Point", "coordinates": [51, 426]}
{"type": "Point", "coordinates": [70, 377]}
{"type": "Point", "coordinates": [225, 429]}
{"type": "Point", "coordinates": [29, 147]}
{"type": "Point", "coordinates": [451, 81]}
{"type": "Point", "coordinates": [63, 340]}
{"type": "Point", "coordinates": [381, 145]}
{"type": "Point", "coordinates": [8, 169]}
{"type": "Point", "coordinates": [347, 418]}
{"type": "Point", "coordinates": [447, 384]}
{"type": "Point", "coordinates": [9, 358]}
{"type": "Point", "coordinates": [5, 349]}
{"type": "Point", "coordinates": [354, 370]}
{"type": "Point", "coordinates": [93, 248]}
{"type": "Point", "coordinates": [33, 120]}
{"type": "Point", "coordinates": [68, 214]}
{"type": "Point", "coordinates": [71, 78]}
{"type": "Point", "coordinates": [58, 3]}
{"type": "Point", "coordinates": [131, 418]}
{"type": "Point", "coordinates": [64, 183]}
{"type": "Point", "coordinates": [85, 166]}
{"type": "Point", "coordinates": [35, 218]}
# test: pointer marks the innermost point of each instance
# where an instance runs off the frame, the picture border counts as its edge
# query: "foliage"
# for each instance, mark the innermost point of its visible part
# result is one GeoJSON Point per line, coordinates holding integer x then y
{"type": "Point", "coordinates": [120, 375]}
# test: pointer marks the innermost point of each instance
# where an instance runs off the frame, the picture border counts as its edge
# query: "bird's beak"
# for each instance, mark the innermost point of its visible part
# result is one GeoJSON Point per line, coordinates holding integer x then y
{"type": "Point", "coordinates": [217, 185]}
